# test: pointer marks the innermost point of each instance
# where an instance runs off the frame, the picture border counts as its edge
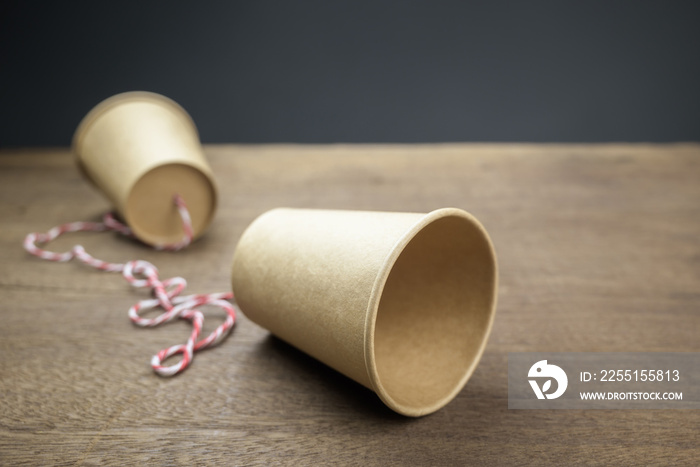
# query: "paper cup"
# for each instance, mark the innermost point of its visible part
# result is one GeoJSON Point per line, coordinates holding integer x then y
{"type": "Point", "coordinates": [140, 149]}
{"type": "Point", "coordinates": [402, 303]}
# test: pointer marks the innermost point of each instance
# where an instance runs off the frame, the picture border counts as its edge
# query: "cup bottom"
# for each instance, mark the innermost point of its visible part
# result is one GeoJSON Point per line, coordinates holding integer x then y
{"type": "Point", "coordinates": [151, 212]}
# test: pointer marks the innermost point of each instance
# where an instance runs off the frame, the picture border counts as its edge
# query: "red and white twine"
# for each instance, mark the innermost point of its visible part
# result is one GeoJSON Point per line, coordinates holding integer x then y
{"type": "Point", "coordinates": [144, 274]}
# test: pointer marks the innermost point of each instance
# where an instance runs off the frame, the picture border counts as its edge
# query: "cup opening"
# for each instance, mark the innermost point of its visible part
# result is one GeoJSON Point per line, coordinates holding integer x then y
{"type": "Point", "coordinates": [434, 314]}
{"type": "Point", "coordinates": [151, 212]}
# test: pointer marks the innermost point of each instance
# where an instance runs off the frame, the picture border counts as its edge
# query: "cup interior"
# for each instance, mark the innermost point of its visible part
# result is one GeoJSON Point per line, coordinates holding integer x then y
{"type": "Point", "coordinates": [434, 313]}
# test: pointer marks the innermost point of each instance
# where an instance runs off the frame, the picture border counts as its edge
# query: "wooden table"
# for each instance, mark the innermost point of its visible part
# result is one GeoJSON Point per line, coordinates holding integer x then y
{"type": "Point", "coordinates": [599, 250]}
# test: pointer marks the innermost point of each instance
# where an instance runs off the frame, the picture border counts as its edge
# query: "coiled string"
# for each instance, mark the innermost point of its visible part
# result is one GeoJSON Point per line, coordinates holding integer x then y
{"type": "Point", "coordinates": [142, 274]}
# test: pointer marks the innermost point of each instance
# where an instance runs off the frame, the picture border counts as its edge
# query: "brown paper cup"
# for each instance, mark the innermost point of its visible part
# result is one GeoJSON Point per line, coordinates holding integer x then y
{"type": "Point", "coordinates": [402, 303]}
{"type": "Point", "coordinates": [140, 149]}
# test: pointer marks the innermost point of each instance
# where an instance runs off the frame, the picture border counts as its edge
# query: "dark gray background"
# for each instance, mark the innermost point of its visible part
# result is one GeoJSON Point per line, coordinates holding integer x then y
{"type": "Point", "coordinates": [380, 71]}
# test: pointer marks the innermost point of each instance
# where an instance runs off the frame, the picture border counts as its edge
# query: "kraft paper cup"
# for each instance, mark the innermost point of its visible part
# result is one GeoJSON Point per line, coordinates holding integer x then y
{"type": "Point", "coordinates": [402, 303]}
{"type": "Point", "coordinates": [140, 149]}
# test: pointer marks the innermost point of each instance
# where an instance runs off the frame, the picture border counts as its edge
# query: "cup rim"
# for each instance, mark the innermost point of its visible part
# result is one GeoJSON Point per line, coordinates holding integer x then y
{"type": "Point", "coordinates": [118, 99]}
{"type": "Point", "coordinates": [373, 308]}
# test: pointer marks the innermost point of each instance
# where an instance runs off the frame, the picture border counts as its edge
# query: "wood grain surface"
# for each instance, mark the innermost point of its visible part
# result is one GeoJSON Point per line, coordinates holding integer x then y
{"type": "Point", "coordinates": [599, 250]}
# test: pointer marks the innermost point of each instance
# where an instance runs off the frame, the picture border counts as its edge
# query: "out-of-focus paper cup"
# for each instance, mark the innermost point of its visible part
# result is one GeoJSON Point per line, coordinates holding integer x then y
{"type": "Point", "coordinates": [140, 149]}
{"type": "Point", "coordinates": [402, 303]}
